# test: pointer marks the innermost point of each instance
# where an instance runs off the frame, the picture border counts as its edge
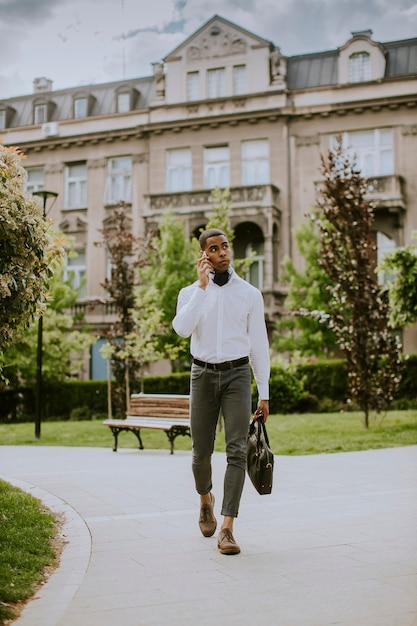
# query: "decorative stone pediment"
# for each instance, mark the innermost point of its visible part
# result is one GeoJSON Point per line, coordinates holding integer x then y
{"type": "Point", "coordinates": [218, 41]}
{"type": "Point", "coordinates": [73, 224]}
{"type": "Point", "coordinates": [217, 38]}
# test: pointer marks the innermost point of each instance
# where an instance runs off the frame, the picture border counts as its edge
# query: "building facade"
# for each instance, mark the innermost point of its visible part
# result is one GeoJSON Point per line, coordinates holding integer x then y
{"type": "Point", "coordinates": [226, 108]}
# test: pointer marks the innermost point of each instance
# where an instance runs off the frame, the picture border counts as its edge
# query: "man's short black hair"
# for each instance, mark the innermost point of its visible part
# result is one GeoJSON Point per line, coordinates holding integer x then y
{"type": "Point", "coordinates": [210, 232]}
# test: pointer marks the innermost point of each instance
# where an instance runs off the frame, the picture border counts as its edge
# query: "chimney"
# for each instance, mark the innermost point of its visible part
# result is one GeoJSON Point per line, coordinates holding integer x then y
{"type": "Point", "coordinates": [362, 33]}
{"type": "Point", "coordinates": [42, 84]}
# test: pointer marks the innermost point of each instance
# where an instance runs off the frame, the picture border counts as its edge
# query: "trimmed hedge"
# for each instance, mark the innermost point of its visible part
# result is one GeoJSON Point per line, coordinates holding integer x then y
{"type": "Point", "coordinates": [325, 379]}
{"type": "Point", "coordinates": [408, 384]}
{"type": "Point", "coordinates": [313, 387]}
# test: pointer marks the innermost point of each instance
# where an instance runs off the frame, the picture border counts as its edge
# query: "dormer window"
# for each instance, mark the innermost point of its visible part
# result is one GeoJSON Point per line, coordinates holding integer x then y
{"type": "Point", "coordinates": [359, 67]}
{"type": "Point", "coordinates": [126, 99]}
{"type": "Point", "coordinates": [216, 83]}
{"type": "Point", "coordinates": [80, 107]}
{"type": "Point", "coordinates": [40, 113]}
{"type": "Point", "coordinates": [123, 102]}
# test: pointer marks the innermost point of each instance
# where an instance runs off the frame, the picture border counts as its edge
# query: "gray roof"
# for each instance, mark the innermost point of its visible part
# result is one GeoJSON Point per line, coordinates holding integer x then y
{"type": "Point", "coordinates": [103, 100]}
{"type": "Point", "coordinates": [401, 57]}
{"type": "Point", "coordinates": [312, 70]}
{"type": "Point", "coordinates": [320, 69]}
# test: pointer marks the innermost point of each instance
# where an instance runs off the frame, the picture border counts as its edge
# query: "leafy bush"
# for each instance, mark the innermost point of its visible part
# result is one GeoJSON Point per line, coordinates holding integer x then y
{"type": "Point", "coordinates": [312, 387]}
{"type": "Point", "coordinates": [325, 379]}
{"type": "Point", "coordinates": [172, 383]}
{"type": "Point", "coordinates": [408, 384]}
{"type": "Point", "coordinates": [286, 391]}
{"type": "Point", "coordinates": [80, 413]}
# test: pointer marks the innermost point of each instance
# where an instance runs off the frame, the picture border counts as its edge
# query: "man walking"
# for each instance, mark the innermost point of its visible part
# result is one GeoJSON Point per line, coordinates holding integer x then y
{"type": "Point", "coordinates": [224, 315]}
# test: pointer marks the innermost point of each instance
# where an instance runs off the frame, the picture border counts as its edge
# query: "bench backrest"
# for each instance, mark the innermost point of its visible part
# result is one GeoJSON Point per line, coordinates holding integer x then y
{"type": "Point", "coordinates": [159, 405]}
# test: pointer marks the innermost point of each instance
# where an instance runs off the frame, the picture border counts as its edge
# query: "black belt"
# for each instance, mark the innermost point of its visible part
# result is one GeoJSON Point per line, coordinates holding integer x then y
{"type": "Point", "coordinates": [226, 365]}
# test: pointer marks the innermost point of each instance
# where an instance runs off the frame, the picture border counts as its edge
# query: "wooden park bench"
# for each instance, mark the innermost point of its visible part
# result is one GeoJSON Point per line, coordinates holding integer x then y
{"type": "Point", "coordinates": [167, 412]}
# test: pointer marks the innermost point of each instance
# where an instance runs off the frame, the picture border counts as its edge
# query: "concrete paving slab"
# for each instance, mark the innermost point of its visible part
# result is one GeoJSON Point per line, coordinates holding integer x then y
{"type": "Point", "coordinates": [335, 543]}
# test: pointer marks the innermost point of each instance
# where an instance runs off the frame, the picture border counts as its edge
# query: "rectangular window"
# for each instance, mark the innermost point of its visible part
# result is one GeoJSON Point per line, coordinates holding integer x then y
{"type": "Point", "coordinates": [217, 167]}
{"type": "Point", "coordinates": [255, 162]}
{"type": "Point", "coordinates": [119, 180]}
{"type": "Point", "coordinates": [80, 107]}
{"type": "Point", "coordinates": [193, 86]}
{"type": "Point", "coordinates": [40, 114]}
{"type": "Point", "coordinates": [179, 169]}
{"type": "Point", "coordinates": [216, 83]}
{"type": "Point", "coordinates": [123, 102]}
{"type": "Point", "coordinates": [239, 80]}
{"type": "Point", "coordinates": [35, 179]}
{"type": "Point", "coordinates": [384, 245]}
{"type": "Point", "coordinates": [76, 185]}
{"type": "Point", "coordinates": [2, 119]}
{"type": "Point", "coordinates": [373, 151]}
{"type": "Point", "coordinates": [75, 272]}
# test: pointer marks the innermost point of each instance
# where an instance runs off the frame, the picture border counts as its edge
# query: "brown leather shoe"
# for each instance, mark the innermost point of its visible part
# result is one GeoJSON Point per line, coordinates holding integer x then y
{"type": "Point", "coordinates": [207, 521]}
{"type": "Point", "coordinates": [226, 542]}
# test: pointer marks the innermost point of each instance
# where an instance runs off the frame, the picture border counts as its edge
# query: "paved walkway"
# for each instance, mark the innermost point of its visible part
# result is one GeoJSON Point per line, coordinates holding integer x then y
{"type": "Point", "coordinates": [336, 542]}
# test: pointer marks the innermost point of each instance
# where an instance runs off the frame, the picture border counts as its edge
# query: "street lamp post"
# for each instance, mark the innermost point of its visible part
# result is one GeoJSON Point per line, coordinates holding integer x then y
{"type": "Point", "coordinates": [44, 195]}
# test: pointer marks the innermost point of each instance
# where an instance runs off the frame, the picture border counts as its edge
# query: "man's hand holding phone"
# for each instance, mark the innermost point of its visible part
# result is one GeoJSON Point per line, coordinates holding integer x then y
{"type": "Point", "coordinates": [204, 267]}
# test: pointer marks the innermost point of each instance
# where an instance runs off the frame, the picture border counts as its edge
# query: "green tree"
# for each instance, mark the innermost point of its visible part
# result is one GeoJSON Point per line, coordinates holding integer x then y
{"type": "Point", "coordinates": [143, 344]}
{"type": "Point", "coordinates": [219, 218]}
{"type": "Point", "coordinates": [402, 289]}
{"type": "Point", "coordinates": [358, 309]}
{"type": "Point", "coordinates": [307, 290]}
{"type": "Point", "coordinates": [171, 265]}
{"type": "Point", "coordinates": [126, 252]}
{"type": "Point", "coordinates": [27, 250]}
{"type": "Point", "coordinates": [64, 344]}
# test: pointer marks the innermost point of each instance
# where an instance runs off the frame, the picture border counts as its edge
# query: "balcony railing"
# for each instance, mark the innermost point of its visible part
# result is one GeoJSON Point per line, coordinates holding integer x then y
{"type": "Point", "coordinates": [387, 192]}
{"type": "Point", "coordinates": [258, 195]}
{"type": "Point", "coordinates": [94, 312]}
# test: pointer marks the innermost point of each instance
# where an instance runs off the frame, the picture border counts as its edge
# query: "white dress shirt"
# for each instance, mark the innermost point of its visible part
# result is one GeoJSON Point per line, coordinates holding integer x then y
{"type": "Point", "coordinates": [226, 323]}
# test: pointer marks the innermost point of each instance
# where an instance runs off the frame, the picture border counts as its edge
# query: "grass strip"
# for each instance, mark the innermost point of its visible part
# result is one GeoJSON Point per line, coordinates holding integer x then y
{"type": "Point", "coordinates": [288, 434]}
{"type": "Point", "coordinates": [26, 532]}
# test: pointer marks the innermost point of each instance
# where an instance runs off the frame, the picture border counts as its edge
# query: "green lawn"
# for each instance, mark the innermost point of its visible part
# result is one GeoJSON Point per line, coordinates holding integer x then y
{"type": "Point", "coordinates": [289, 434]}
{"type": "Point", "coordinates": [26, 530]}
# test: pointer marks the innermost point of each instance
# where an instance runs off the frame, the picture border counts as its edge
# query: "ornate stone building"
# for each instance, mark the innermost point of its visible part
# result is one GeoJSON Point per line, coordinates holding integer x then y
{"type": "Point", "coordinates": [226, 108]}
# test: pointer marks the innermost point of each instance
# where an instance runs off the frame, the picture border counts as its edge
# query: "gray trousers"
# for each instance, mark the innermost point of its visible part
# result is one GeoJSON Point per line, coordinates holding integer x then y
{"type": "Point", "coordinates": [228, 392]}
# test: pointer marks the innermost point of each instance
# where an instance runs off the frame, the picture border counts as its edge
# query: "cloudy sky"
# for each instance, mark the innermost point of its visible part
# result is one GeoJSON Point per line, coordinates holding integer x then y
{"type": "Point", "coordinates": [81, 42]}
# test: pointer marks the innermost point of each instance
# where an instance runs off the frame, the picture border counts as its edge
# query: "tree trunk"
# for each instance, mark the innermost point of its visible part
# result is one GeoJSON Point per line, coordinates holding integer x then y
{"type": "Point", "coordinates": [109, 409]}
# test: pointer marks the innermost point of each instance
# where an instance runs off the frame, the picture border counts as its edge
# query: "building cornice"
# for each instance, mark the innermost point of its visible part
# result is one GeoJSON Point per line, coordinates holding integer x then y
{"type": "Point", "coordinates": [190, 120]}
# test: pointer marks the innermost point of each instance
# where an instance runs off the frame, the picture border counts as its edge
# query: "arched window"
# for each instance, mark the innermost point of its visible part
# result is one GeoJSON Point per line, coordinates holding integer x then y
{"type": "Point", "coordinates": [248, 241]}
{"type": "Point", "coordinates": [255, 273]}
{"type": "Point", "coordinates": [359, 67]}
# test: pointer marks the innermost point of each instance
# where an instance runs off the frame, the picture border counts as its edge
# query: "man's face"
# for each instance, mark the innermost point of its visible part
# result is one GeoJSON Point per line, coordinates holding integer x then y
{"type": "Point", "coordinates": [219, 253]}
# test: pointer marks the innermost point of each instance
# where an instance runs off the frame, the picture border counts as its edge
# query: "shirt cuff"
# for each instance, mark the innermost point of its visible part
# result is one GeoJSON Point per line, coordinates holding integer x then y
{"type": "Point", "coordinates": [263, 391]}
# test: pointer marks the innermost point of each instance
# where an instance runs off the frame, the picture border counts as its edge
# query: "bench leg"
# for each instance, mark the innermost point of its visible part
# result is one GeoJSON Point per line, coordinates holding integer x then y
{"type": "Point", "coordinates": [173, 432]}
{"type": "Point", "coordinates": [137, 433]}
{"type": "Point", "coordinates": [116, 430]}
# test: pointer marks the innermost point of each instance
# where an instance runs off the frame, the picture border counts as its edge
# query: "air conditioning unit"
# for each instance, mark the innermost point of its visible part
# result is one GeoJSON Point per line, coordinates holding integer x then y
{"type": "Point", "coordinates": [50, 129]}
